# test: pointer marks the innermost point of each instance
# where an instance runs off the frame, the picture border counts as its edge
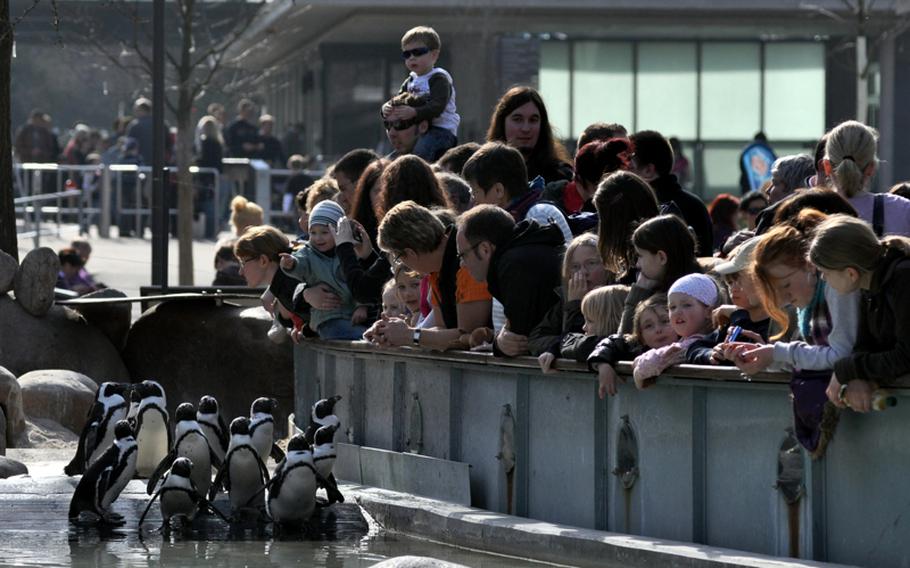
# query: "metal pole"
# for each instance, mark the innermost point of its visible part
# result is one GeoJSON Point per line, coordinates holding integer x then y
{"type": "Point", "coordinates": [159, 202]}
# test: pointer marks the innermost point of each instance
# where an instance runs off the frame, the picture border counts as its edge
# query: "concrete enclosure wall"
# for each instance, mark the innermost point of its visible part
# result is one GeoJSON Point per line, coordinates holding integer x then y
{"type": "Point", "coordinates": [707, 444]}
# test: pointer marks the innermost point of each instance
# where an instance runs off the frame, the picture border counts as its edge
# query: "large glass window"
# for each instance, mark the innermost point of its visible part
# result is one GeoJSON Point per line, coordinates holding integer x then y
{"type": "Point", "coordinates": [794, 91]}
{"type": "Point", "coordinates": [554, 85]}
{"type": "Point", "coordinates": [667, 88]}
{"type": "Point", "coordinates": [603, 84]}
{"type": "Point", "coordinates": [730, 91]}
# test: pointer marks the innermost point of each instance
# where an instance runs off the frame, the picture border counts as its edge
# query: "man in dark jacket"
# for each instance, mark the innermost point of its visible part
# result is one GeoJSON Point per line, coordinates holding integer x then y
{"type": "Point", "coordinates": [653, 160]}
{"type": "Point", "coordinates": [520, 264]}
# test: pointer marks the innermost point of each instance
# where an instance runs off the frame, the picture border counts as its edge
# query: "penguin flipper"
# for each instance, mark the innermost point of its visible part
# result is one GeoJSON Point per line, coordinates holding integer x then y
{"type": "Point", "coordinates": [87, 440]}
{"type": "Point", "coordinates": [332, 491]}
{"type": "Point", "coordinates": [277, 453]}
{"type": "Point", "coordinates": [221, 478]}
{"type": "Point", "coordinates": [261, 491]}
{"type": "Point", "coordinates": [149, 506]}
{"type": "Point", "coordinates": [164, 465]}
{"type": "Point", "coordinates": [224, 437]}
{"type": "Point", "coordinates": [310, 432]}
{"type": "Point", "coordinates": [209, 506]}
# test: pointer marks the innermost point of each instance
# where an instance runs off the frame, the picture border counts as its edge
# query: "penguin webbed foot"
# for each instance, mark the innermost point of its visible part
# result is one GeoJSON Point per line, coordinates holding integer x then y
{"type": "Point", "coordinates": [86, 519]}
{"type": "Point", "coordinates": [113, 518]}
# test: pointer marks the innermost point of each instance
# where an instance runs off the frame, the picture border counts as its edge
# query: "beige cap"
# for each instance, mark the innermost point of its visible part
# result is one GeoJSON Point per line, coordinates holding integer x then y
{"type": "Point", "coordinates": [739, 258]}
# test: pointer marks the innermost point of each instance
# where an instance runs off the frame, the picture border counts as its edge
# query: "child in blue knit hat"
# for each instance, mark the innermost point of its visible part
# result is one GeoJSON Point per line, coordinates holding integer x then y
{"type": "Point", "coordinates": [316, 263]}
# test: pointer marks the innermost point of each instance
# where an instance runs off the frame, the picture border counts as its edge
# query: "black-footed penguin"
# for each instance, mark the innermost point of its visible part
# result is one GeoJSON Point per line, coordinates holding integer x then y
{"type": "Point", "coordinates": [153, 433]}
{"type": "Point", "coordinates": [322, 414]}
{"type": "Point", "coordinates": [324, 461]}
{"type": "Point", "coordinates": [262, 429]}
{"type": "Point", "coordinates": [109, 408]}
{"type": "Point", "coordinates": [292, 490]}
{"type": "Point", "coordinates": [209, 418]}
{"type": "Point", "coordinates": [242, 474]}
{"type": "Point", "coordinates": [105, 479]}
{"type": "Point", "coordinates": [180, 498]}
{"type": "Point", "coordinates": [189, 442]}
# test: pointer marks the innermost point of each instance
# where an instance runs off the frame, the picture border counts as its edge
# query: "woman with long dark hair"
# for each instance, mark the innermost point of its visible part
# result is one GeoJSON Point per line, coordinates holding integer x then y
{"type": "Point", "coordinates": [521, 121]}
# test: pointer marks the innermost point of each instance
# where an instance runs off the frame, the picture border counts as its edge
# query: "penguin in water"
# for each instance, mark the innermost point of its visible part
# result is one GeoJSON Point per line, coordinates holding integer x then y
{"type": "Point", "coordinates": [102, 483]}
{"type": "Point", "coordinates": [109, 408]}
{"type": "Point", "coordinates": [209, 418]}
{"type": "Point", "coordinates": [242, 474]}
{"type": "Point", "coordinates": [322, 414]}
{"type": "Point", "coordinates": [153, 433]}
{"type": "Point", "coordinates": [191, 443]}
{"type": "Point", "coordinates": [292, 490]}
{"type": "Point", "coordinates": [324, 461]}
{"type": "Point", "coordinates": [180, 498]}
{"type": "Point", "coordinates": [262, 429]}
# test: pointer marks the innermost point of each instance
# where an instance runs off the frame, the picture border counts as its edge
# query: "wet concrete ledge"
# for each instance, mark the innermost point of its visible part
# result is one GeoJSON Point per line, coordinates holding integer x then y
{"type": "Point", "coordinates": [468, 527]}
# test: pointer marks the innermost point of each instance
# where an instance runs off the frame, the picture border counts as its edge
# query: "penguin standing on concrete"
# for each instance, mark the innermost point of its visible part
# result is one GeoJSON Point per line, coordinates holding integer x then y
{"type": "Point", "coordinates": [109, 408]}
{"type": "Point", "coordinates": [153, 433]}
{"type": "Point", "coordinates": [322, 414]}
{"type": "Point", "coordinates": [262, 429]}
{"type": "Point", "coordinates": [292, 490]}
{"type": "Point", "coordinates": [180, 498]}
{"type": "Point", "coordinates": [209, 418]}
{"type": "Point", "coordinates": [103, 481]}
{"type": "Point", "coordinates": [324, 461]}
{"type": "Point", "coordinates": [242, 474]}
{"type": "Point", "coordinates": [191, 443]}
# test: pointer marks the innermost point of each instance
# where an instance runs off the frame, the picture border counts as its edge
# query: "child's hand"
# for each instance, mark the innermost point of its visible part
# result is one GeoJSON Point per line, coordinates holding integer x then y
{"type": "Point", "coordinates": [321, 297]}
{"type": "Point", "coordinates": [359, 316]}
{"type": "Point", "coordinates": [721, 315]}
{"type": "Point", "coordinates": [607, 380]}
{"type": "Point", "coordinates": [480, 336]}
{"type": "Point", "coordinates": [576, 288]}
{"type": "Point", "coordinates": [674, 355]}
{"type": "Point", "coordinates": [750, 335]}
{"type": "Point", "coordinates": [286, 261]}
{"type": "Point", "coordinates": [344, 233]}
{"type": "Point", "coordinates": [546, 361]}
{"type": "Point", "coordinates": [386, 110]}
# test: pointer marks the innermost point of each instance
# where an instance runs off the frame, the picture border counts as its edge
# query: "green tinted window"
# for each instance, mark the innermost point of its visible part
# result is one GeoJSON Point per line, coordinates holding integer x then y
{"type": "Point", "coordinates": [603, 84]}
{"type": "Point", "coordinates": [554, 84]}
{"type": "Point", "coordinates": [667, 88]}
{"type": "Point", "coordinates": [730, 91]}
{"type": "Point", "coordinates": [794, 91]}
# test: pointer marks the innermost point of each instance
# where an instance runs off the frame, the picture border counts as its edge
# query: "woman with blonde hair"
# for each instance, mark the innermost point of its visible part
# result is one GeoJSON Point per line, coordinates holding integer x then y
{"type": "Point", "coordinates": [850, 163]}
{"type": "Point", "coordinates": [852, 259]}
{"type": "Point", "coordinates": [827, 323]}
{"type": "Point", "coordinates": [244, 214]}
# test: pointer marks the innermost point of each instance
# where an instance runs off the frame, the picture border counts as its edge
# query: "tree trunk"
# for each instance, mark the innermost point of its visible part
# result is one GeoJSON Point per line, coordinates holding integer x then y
{"type": "Point", "coordinates": [8, 241]}
{"type": "Point", "coordinates": [185, 194]}
{"type": "Point", "coordinates": [862, 79]}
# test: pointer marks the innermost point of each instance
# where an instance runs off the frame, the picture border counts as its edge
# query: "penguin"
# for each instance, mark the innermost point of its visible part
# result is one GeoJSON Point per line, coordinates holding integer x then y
{"type": "Point", "coordinates": [292, 490]}
{"type": "Point", "coordinates": [242, 474]}
{"type": "Point", "coordinates": [180, 498]}
{"type": "Point", "coordinates": [324, 461]}
{"type": "Point", "coordinates": [109, 408]}
{"type": "Point", "coordinates": [103, 481]}
{"type": "Point", "coordinates": [209, 418]}
{"type": "Point", "coordinates": [133, 414]}
{"type": "Point", "coordinates": [322, 414]}
{"type": "Point", "coordinates": [262, 429]}
{"type": "Point", "coordinates": [153, 433]}
{"type": "Point", "coordinates": [191, 443]}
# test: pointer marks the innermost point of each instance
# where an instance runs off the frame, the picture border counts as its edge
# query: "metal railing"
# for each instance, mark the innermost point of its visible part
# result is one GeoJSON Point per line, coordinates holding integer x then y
{"type": "Point", "coordinates": [31, 206]}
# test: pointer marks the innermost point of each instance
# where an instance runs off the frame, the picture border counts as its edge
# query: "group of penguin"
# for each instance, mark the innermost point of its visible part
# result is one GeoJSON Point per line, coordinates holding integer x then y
{"type": "Point", "coordinates": [122, 440]}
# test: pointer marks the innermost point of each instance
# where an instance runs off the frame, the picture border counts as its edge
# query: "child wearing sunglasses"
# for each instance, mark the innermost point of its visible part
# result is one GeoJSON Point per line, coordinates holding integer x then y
{"type": "Point", "coordinates": [434, 94]}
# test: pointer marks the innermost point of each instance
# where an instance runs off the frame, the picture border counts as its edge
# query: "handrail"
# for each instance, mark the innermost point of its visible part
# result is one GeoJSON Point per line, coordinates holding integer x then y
{"type": "Point", "coordinates": [47, 196]}
{"type": "Point", "coordinates": [567, 366]}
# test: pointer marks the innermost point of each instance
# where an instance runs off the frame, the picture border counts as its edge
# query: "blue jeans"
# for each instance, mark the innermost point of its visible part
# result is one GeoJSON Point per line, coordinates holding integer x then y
{"type": "Point", "coordinates": [340, 328]}
{"type": "Point", "coordinates": [433, 143]}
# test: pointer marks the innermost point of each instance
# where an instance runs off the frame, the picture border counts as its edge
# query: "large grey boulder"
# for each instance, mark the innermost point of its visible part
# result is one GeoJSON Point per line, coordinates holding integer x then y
{"type": "Point", "coordinates": [60, 340]}
{"type": "Point", "coordinates": [59, 395]}
{"type": "Point", "coordinates": [113, 320]}
{"type": "Point", "coordinates": [10, 467]}
{"type": "Point", "coordinates": [11, 404]}
{"type": "Point", "coordinates": [196, 347]}
{"type": "Point", "coordinates": [8, 268]}
{"type": "Point", "coordinates": [35, 280]}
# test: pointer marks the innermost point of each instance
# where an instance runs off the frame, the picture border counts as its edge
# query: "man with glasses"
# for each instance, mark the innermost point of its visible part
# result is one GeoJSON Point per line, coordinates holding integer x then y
{"type": "Point", "coordinates": [519, 262]}
{"type": "Point", "coordinates": [414, 237]}
{"type": "Point", "coordinates": [403, 135]}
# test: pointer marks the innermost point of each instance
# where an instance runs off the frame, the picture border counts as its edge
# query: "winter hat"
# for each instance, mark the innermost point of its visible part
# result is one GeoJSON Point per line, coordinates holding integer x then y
{"type": "Point", "coordinates": [699, 286]}
{"type": "Point", "coordinates": [326, 213]}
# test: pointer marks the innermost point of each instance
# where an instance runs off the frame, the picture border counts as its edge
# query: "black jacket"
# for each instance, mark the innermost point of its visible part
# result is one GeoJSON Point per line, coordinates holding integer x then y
{"type": "Point", "coordinates": [564, 317]}
{"type": "Point", "coordinates": [882, 350]}
{"type": "Point", "coordinates": [615, 348]}
{"type": "Point", "coordinates": [578, 346]}
{"type": "Point", "coordinates": [694, 212]}
{"type": "Point", "coordinates": [365, 278]}
{"type": "Point", "coordinates": [699, 353]}
{"type": "Point", "coordinates": [524, 272]}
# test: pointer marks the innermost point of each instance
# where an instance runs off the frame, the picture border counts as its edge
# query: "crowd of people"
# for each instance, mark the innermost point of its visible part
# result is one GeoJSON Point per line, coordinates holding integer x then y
{"type": "Point", "coordinates": [515, 247]}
